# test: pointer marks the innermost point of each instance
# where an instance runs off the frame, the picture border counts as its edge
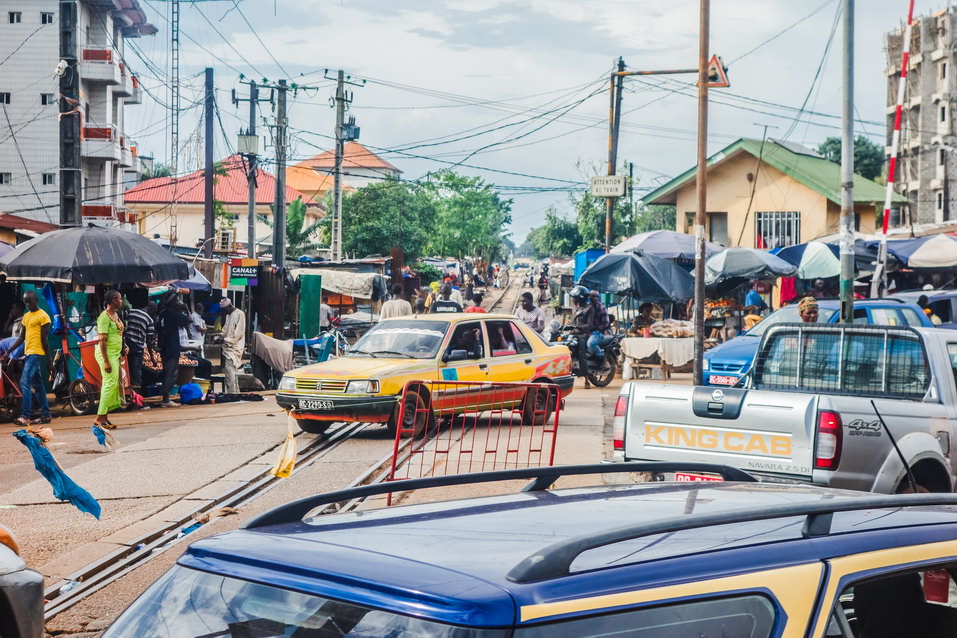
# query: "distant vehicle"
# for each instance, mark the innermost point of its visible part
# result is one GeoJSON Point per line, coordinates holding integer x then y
{"type": "Point", "coordinates": [942, 303]}
{"type": "Point", "coordinates": [724, 365]}
{"type": "Point", "coordinates": [21, 593]}
{"type": "Point", "coordinates": [805, 412]}
{"type": "Point", "coordinates": [736, 559]}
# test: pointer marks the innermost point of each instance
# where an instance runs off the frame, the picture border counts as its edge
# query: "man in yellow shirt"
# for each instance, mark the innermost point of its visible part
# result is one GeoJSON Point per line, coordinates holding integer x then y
{"type": "Point", "coordinates": [35, 335]}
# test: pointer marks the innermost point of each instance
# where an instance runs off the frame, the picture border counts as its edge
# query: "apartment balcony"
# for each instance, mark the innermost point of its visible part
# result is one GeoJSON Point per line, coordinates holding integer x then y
{"type": "Point", "coordinates": [125, 87]}
{"type": "Point", "coordinates": [100, 143]}
{"type": "Point", "coordinates": [136, 95]}
{"type": "Point", "coordinates": [97, 65]}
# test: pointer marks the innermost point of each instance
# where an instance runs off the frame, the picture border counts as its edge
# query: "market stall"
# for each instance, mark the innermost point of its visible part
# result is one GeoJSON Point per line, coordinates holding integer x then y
{"type": "Point", "coordinates": [668, 346]}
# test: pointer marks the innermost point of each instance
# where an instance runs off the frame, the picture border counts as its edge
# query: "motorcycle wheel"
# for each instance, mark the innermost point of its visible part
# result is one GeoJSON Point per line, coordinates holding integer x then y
{"type": "Point", "coordinates": [605, 375]}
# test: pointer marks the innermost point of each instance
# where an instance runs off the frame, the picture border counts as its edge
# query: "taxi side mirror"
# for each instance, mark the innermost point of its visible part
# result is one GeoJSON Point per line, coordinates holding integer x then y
{"type": "Point", "coordinates": [456, 355]}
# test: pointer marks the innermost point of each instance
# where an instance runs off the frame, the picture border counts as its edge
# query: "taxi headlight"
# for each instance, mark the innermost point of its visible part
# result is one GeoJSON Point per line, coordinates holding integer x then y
{"type": "Point", "coordinates": [287, 383]}
{"type": "Point", "coordinates": [368, 386]}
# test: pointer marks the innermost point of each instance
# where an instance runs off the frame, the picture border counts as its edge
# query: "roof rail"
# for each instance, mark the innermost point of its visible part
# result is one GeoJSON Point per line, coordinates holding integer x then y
{"type": "Point", "coordinates": [543, 478]}
{"type": "Point", "coordinates": [554, 561]}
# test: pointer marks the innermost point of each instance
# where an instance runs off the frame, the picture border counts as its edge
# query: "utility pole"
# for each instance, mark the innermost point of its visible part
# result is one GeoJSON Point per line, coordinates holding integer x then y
{"type": "Point", "coordinates": [209, 228]}
{"type": "Point", "coordinates": [847, 169]}
{"type": "Point", "coordinates": [279, 212]}
{"type": "Point", "coordinates": [71, 180]}
{"type": "Point", "coordinates": [614, 126]}
{"type": "Point", "coordinates": [248, 145]}
{"type": "Point", "coordinates": [345, 131]}
{"type": "Point", "coordinates": [702, 188]}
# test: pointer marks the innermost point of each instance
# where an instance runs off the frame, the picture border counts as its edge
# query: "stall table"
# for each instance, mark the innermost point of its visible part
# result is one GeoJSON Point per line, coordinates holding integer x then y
{"type": "Point", "coordinates": [672, 353]}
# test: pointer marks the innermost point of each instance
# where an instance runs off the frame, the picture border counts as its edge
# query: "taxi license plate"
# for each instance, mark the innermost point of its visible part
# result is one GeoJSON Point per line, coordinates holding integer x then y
{"type": "Point", "coordinates": [315, 404]}
{"type": "Point", "coordinates": [716, 379]}
{"type": "Point", "coordinates": [684, 477]}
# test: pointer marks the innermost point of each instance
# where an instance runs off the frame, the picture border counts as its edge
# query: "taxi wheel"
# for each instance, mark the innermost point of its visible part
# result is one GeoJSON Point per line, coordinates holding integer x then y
{"type": "Point", "coordinates": [312, 426]}
{"type": "Point", "coordinates": [538, 406]}
{"type": "Point", "coordinates": [414, 418]}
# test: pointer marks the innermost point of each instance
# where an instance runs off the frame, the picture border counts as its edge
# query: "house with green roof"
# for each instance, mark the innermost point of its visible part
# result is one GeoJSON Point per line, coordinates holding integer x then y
{"type": "Point", "coordinates": [778, 195]}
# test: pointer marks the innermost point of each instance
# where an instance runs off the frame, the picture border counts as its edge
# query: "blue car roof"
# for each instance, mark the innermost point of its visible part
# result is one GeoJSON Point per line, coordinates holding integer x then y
{"type": "Point", "coordinates": [449, 561]}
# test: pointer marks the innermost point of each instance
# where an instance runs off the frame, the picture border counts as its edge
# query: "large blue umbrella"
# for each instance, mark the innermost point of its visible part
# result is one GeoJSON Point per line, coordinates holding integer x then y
{"type": "Point", "coordinates": [932, 251]}
{"type": "Point", "coordinates": [666, 244]}
{"type": "Point", "coordinates": [644, 277]}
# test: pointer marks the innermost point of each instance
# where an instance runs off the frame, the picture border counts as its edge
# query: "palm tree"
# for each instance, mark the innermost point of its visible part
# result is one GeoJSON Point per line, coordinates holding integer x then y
{"type": "Point", "coordinates": [300, 235]}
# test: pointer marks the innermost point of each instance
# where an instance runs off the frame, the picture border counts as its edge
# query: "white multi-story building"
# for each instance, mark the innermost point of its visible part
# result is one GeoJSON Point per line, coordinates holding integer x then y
{"type": "Point", "coordinates": [29, 93]}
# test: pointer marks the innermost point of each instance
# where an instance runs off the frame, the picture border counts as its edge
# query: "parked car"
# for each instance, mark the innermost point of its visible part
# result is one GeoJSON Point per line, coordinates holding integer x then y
{"type": "Point", "coordinates": [366, 383]}
{"type": "Point", "coordinates": [805, 413]}
{"type": "Point", "coordinates": [739, 558]}
{"type": "Point", "coordinates": [21, 593]}
{"type": "Point", "coordinates": [725, 364]}
{"type": "Point", "coordinates": [942, 303]}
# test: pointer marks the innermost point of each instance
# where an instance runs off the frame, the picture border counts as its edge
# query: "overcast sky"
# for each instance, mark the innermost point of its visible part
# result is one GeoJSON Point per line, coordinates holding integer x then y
{"type": "Point", "coordinates": [536, 71]}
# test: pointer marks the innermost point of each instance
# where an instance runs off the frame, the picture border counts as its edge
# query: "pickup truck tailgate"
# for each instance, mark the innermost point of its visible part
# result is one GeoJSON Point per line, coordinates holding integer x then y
{"type": "Point", "coordinates": [754, 430]}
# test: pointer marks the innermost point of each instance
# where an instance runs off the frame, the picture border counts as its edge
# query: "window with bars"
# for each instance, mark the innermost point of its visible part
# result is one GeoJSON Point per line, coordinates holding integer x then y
{"type": "Point", "coordinates": [777, 229]}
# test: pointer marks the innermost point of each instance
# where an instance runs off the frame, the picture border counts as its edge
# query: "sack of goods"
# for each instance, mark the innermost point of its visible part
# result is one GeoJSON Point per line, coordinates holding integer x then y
{"type": "Point", "coordinates": [673, 328]}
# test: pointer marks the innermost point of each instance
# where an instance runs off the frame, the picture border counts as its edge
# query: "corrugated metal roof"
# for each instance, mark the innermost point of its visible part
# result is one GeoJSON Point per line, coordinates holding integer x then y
{"type": "Point", "coordinates": [231, 188]}
{"type": "Point", "coordinates": [15, 222]}
{"type": "Point", "coordinates": [816, 173]}
{"type": "Point", "coordinates": [354, 155]}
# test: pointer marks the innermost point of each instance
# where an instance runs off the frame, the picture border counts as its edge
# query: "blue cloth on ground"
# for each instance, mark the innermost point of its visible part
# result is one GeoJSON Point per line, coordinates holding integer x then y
{"type": "Point", "coordinates": [190, 392]}
{"type": "Point", "coordinates": [64, 488]}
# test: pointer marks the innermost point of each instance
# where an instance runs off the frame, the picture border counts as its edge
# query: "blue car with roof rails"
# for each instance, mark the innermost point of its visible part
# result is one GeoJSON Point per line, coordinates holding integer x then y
{"type": "Point", "coordinates": [723, 557]}
{"type": "Point", "coordinates": [726, 363]}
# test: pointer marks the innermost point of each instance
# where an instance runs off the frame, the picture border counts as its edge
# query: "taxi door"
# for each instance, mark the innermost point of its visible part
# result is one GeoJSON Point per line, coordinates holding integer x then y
{"type": "Point", "coordinates": [511, 359]}
{"type": "Point", "coordinates": [463, 358]}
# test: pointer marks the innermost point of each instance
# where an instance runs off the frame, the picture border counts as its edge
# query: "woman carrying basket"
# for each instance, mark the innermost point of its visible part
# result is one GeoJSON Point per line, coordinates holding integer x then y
{"type": "Point", "coordinates": [110, 327]}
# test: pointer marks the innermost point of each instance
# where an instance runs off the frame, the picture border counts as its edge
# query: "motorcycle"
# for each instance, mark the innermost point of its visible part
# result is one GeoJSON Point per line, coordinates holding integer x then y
{"type": "Point", "coordinates": [601, 370]}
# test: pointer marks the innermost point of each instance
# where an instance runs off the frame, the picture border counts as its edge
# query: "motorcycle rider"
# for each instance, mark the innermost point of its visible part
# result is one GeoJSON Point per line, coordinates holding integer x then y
{"type": "Point", "coordinates": [583, 324]}
{"type": "Point", "coordinates": [602, 325]}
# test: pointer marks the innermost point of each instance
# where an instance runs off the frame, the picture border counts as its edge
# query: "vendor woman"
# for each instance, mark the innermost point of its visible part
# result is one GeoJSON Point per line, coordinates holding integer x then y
{"type": "Point", "coordinates": [110, 327]}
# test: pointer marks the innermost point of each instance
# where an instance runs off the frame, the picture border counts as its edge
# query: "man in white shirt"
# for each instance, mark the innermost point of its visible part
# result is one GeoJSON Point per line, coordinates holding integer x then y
{"type": "Point", "coordinates": [234, 343]}
{"type": "Point", "coordinates": [396, 306]}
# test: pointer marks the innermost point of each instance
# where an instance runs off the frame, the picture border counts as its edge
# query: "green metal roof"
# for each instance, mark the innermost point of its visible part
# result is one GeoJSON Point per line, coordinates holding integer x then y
{"type": "Point", "coordinates": [816, 173]}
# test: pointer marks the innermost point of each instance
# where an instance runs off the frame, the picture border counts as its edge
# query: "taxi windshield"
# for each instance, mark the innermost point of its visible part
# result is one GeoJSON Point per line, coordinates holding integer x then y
{"type": "Point", "coordinates": [186, 603]}
{"type": "Point", "coordinates": [410, 339]}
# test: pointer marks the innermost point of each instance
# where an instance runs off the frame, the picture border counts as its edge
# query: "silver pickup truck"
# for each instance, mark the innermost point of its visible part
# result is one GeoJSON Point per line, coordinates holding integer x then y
{"type": "Point", "coordinates": [804, 413]}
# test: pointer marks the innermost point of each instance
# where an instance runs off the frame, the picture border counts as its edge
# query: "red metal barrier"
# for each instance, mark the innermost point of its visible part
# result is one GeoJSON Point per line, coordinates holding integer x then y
{"type": "Point", "coordinates": [459, 427]}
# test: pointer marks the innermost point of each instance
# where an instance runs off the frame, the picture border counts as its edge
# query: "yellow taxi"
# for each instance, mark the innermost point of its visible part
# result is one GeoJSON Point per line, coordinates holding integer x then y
{"type": "Point", "coordinates": [366, 383]}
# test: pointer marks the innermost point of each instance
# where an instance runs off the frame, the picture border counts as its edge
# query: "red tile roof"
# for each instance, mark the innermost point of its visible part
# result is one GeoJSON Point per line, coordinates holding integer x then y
{"type": "Point", "coordinates": [231, 188]}
{"type": "Point", "coordinates": [354, 155]}
{"type": "Point", "coordinates": [15, 222]}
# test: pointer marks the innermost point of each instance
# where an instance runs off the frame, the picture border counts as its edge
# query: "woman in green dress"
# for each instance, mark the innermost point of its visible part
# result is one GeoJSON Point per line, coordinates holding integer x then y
{"type": "Point", "coordinates": [109, 326]}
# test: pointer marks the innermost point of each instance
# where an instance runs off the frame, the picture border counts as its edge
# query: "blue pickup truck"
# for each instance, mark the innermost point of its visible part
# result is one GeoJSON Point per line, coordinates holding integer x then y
{"type": "Point", "coordinates": [728, 362]}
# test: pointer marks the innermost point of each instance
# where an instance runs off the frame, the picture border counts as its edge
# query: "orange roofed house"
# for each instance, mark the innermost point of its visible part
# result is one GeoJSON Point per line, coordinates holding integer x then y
{"type": "Point", "coordinates": [360, 167]}
{"type": "Point", "coordinates": [171, 206]}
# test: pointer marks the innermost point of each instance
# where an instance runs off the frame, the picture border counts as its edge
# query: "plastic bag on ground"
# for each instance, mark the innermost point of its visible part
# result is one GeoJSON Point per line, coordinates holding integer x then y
{"type": "Point", "coordinates": [287, 455]}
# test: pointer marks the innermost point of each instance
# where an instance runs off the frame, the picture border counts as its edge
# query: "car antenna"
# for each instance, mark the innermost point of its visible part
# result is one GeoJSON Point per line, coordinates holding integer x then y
{"type": "Point", "coordinates": [910, 473]}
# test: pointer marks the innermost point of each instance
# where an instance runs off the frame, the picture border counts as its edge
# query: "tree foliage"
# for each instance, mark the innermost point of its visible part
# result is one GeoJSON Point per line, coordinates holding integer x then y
{"type": "Point", "coordinates": [385, 214]}
{"type": "Point", "coordinates": [558, 236]}
{"type": "Point", "coordinates": [868, 156]}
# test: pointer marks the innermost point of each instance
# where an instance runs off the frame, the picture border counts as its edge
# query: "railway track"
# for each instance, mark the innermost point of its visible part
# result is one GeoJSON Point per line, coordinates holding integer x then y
{"type": "Point", "coordinates": [95, 576]}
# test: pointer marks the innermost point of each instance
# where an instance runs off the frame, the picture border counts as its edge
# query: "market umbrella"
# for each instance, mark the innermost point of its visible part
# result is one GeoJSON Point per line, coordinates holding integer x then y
{"type": "Point", "coordinates": [5, 248]}
{"type": "Point", "coordinates": [88, 255]}
{"type": "Point", "coordinates": [666, 244]}
{"type": "Point", "coordinates": [196, 281]}
{"type": "Point", "coordinates": [745, 264]}
{"type": "Point", "coordinates": [819, 260]}
{"type": "Point", "coordinates": [933, 251]}
{"type": "Point", "coordinates": [644, 277]}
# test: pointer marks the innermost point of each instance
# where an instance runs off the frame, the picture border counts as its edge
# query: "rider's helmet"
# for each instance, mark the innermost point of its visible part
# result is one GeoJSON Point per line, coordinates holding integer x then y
{"type": "Point", "coordinates": [579, 295]}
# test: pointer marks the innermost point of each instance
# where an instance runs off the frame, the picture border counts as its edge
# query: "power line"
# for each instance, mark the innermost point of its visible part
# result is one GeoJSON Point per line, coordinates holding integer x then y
{"type": "Point", "coordinates": [25, 40]}
{"type": "Point", "coordinates": [16, 145]}
{"type": "Point", "coordinates": [782, 32]}
{"type": "Point", "coordinates": [267, 49]}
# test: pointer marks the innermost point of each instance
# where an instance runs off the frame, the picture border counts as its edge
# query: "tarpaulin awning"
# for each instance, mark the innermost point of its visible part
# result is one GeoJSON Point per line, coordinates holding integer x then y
{"type": "Point", "coordinates": [355, 284]}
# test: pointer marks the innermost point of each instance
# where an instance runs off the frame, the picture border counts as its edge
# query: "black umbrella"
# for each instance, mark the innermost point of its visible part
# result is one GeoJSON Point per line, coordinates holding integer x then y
{"type": "Point", "coordinates": [90, 255]}
{"type": "Point", "coordinates": [644, 277]}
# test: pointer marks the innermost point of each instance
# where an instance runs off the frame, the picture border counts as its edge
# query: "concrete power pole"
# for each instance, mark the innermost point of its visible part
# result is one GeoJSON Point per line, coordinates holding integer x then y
{"type": "Point", "coordinates": [71, 180]}
{"type": "Point", "coordinates": [616, 87]}
{"type": "Point", "coordinates": [279, 212]}
{"type": "Point", "coordinates": [847, 169]}
{"type": "Point", "coordinates": [209, 226]}
{"type": "Point", "coordinates": [248, 145]}
{"type": "Point", "coordinates": [337, 175]}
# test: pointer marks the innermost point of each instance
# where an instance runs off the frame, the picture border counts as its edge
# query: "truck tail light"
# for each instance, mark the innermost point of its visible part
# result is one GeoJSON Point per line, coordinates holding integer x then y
{"type": "Point", "coordinates": [621, 406]}
{"type": "Point", "coordinates": [830, 435]}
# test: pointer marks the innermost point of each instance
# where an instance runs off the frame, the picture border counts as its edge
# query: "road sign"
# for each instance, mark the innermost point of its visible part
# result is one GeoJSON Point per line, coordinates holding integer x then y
{"type": "Point", "coordinates": [717, 76]}
{"type": "Point", "coordinates": [608, 186]}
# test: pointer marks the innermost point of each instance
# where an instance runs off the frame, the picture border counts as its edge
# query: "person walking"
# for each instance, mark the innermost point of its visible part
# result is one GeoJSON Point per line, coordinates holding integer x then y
{"type": "Point", "coordinates": [397, 306]}
{"type": "Point", "coordinates": [34, 336]}
{"type": "Point", "coordinates": [110, 329]}
{"type": "Point", "coordinates": [530, 314]}
{"type": "Point", "coordinates": [445, 304]}
{"type": "Point", "coordinates": [234, 343]}
{"type": "Point", "coordinates": [171, 319]}
{"type": "Point", "coordinates": [476, 303]}
{"type": "Point", "coordinates": [138, 336]}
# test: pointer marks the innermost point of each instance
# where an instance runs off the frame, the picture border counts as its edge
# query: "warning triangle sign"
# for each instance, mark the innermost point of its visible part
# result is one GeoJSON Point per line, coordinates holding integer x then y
{"type": "Point", "coordinates": [717, 76]}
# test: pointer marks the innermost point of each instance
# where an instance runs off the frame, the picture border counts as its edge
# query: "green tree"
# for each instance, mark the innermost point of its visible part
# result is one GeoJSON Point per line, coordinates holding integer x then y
{"type": "Point", "coordinates": [868, 156]}
{"type": "Point", "coordinates": [471, 217]}
{"type": "Point", "coordinates": [558, 237]}
{"type": "Point", "coordinates": [385, 214]}
{"type": "Point", "coordinates": [654, 217]}
{"type": "Point", "coordinates": [157, 170]}
{"type": "Point", "coordinates": [300, 233]}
